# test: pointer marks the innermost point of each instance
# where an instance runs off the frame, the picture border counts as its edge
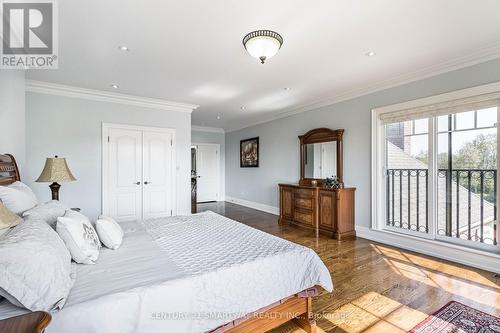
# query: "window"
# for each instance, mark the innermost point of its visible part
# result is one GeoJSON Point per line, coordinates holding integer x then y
{"type": "Point", "coordinates": [407, 152]}
{"type": "Point", "coordinates": [435, 171]}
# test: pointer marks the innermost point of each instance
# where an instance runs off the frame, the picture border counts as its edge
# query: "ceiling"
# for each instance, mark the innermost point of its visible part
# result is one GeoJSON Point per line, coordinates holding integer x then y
{"type": "Point", "coordinates": [191, 51]}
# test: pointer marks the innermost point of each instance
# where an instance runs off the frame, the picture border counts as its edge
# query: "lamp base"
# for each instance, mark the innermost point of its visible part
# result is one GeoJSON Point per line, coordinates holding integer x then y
{"type": "Point", "coordinates": [54, 187]}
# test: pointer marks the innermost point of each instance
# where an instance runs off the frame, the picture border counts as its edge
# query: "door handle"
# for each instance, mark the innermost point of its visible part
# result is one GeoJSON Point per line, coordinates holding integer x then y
{"type": "Point", "coordinates": [137, 183]}
{"type": "Point", "coordinates": [146, 183]}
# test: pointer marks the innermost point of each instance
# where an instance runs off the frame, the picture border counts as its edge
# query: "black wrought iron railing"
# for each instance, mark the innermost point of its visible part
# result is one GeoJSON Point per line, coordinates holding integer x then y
{"type": "Point", "coordinates": [466, 202]}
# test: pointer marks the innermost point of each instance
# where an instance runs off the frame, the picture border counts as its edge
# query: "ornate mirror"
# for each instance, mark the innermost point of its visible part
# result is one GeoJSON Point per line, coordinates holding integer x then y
{"type": "Point", "coordinates": [321, 155]}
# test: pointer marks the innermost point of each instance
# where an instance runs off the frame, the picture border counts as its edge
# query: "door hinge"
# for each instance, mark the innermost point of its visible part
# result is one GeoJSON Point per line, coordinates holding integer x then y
{"type": "Point", "coordinates": [108, 138]}
{"type": "Point", "coordinates": [171, 212]}
{"type": "Point", "coordinates": [171, 142]}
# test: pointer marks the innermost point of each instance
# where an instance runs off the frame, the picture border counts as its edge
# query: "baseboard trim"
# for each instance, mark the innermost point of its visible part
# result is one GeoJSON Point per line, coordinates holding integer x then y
{"type": "Point", "coordinates": [255, 205]}
{"type": "Point", "coordinates": [450, 252]}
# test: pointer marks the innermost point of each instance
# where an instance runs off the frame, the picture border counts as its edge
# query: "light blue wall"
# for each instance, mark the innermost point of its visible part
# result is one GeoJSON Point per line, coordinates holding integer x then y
{"type": "Point", "coordinates": [71, 127]}
{"type": "Point", "coordinates": [217, 138]}
{"type": "Point", "coordinates": [279, 145]}
{"type": "Point", "coordinates": [12, 115]}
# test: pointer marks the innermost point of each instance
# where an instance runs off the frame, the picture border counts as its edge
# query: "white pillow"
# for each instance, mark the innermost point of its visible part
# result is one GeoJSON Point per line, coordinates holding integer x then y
{"type": "Point", "coordinates": [76, 215]}
{"type": "Point", "coordinates": [79, 236]}
{"type": "Point", "coordinates": [47, 211]}
{"type": "Point", "coordinates": [35, 267]}
{"type": "Point", "coordinates": [17, 197]}
{"type": "Point", "coordinates": [109, 231]}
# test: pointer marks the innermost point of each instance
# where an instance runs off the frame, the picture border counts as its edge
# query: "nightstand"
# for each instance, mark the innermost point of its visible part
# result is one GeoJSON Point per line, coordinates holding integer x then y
{"type": "Point", "coordinates": [33, 322]}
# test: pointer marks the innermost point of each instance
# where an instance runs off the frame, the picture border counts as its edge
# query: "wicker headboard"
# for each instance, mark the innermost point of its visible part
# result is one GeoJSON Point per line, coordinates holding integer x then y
{"type": "Point", "coordinates": [9, 172]}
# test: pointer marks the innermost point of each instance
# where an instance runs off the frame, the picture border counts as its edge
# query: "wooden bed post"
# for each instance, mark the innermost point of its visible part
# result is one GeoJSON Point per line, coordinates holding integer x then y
{"type": "Point", "coordinates": [306, 321]}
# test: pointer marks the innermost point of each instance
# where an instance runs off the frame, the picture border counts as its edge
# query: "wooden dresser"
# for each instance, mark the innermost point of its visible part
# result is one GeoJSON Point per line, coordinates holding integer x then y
{"type": "Point", "coordinates": [311, 203]}
{"type": "Point", "coordinates": [329, 211]}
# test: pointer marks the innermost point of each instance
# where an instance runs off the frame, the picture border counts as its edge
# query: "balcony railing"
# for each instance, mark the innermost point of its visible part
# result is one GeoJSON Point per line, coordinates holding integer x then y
{"type": "Point", "coordinates": [466, 202]}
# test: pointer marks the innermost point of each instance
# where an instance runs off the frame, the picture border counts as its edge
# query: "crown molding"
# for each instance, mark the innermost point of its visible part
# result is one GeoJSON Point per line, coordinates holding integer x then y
{"type": "Point", "coordinates": [207, 129]}
{"type": "Point", "coordinates": [105, 96]}
{"type": "Point", "coordinates": [483, 55]}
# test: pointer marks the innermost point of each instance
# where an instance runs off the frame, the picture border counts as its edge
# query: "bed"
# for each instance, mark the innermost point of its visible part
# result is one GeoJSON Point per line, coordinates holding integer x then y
{"type": "Point", "coordinates": [197, 273]}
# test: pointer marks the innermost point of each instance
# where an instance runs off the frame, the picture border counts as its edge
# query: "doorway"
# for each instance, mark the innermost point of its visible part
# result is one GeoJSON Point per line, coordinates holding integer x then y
{"type": "Point", "coordinates": [205, 172]}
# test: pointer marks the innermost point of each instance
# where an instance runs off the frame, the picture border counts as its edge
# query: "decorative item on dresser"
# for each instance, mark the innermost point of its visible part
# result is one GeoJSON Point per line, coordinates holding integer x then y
{"type": "Point", "coordinates": [320, 201]}
{"type": "Point", "coordinates": [55, 170]}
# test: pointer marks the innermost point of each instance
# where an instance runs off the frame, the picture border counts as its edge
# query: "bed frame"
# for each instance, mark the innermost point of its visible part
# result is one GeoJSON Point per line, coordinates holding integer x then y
{"type": "Point", "coordinates": [297, 308]}
{"type": "Point", "coordinates": [9, 172]}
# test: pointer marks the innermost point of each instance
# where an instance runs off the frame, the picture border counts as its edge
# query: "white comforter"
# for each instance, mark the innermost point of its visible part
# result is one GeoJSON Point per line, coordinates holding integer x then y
{"type": "Point", "coordinates": [200, 272]}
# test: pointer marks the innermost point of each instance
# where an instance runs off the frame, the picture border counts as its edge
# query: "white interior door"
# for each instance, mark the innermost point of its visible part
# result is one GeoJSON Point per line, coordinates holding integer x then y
{"type": "Point", "coordinates": [317, 161]}
{"type": "Point", "coordinates": [328, 159]}
{"type": "Point", "coordinates": [158, 169]}
{"type": "Point", "coordinates": [124, 174]}
{"type": "Point", "coordinates": [207, 170]}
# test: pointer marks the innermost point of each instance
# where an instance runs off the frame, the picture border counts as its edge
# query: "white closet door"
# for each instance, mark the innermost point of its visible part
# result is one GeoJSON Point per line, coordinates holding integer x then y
{"type": "Point", "coordinates": [124, 174]}
{"type": "Point", "coordinates": [207, 169]}
{"type": "Point", "coordinates": [158, 169]}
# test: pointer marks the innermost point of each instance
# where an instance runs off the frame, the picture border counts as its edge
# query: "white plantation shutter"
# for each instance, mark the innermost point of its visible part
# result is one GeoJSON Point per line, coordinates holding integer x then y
{"type": "Point", "coordinates": [444, 108]}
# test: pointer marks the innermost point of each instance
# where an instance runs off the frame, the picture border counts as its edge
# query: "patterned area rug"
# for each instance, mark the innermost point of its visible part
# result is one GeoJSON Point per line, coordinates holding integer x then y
{"type": "Point", "coordinates": [456, 317]}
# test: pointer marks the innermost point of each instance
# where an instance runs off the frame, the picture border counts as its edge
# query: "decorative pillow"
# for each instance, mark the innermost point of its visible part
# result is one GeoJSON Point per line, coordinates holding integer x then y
{"type": "Point", "coordinates": [48, 212]}
{"type": "Point", "coordinates": [79, 236]}
{"type": "Point", "coordinates": [109, 231]}
{"type": "Point", "coordinates": [35, 267]}
{"type": "Point", "coordinates": [17, 197]}
{"type": "Point", "coordinates": [76, 215]}
{"type": "Point", "coordinates": [7, 218]}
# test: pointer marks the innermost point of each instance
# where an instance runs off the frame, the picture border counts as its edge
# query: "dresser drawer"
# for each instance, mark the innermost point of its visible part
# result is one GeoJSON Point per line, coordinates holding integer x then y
{"type": "Point", "coordinates": [303, 217]}
{"type": "Point", "coordinates": [305, 203]}
{"type": "Point", "coordinates": [304, 193]}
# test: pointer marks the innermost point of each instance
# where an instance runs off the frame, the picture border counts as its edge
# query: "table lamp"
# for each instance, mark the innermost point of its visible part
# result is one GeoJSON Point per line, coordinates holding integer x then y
{"type": "Point", "coordinates": [55, 170]}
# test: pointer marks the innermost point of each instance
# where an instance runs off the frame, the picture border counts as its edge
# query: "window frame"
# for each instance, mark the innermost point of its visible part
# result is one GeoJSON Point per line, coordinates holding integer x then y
{"type": "Point", "coordinates": [378, 150]}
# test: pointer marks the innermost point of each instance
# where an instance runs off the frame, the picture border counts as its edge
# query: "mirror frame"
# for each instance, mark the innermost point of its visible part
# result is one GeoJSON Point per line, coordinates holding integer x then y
{"type": "Point", "coordinates": [319, 135]}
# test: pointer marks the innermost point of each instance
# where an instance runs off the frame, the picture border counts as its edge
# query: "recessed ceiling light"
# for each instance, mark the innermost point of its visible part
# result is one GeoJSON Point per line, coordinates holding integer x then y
{"type": "Point", "coordinates": [218, 117]}
{"type": "Point", "coordinates": [287, 88]}
{"type": "Point", "coordinates": [115, 86]}
{"type": "Point", "coordinates": [370, 53]}
{"type": "Point", "coordinates": [123, 48]}
{"type": "Point", "coordinates": [243, 107]}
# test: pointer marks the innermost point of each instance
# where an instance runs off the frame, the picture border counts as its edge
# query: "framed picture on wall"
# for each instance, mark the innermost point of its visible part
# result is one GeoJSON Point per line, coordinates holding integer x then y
{"type": "Point", "coordinates": [249, 153]}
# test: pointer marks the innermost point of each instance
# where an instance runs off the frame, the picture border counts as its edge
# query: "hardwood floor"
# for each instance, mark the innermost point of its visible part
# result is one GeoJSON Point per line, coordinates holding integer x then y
{"type": "Point", "coordinates": [378, 288]}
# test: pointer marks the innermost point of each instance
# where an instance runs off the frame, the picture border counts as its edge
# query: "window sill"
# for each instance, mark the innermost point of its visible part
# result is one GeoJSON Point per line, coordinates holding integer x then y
{"type": "Point", "coordinates": [471, 257]}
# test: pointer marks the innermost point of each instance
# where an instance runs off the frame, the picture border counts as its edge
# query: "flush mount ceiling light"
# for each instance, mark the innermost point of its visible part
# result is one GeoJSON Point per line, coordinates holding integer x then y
{"type": "Point", "coordinates": [123, 48]}
{"type": "Point", "coordinates": [370, 54]}
{"type": "Point", "coordinates": [115, 86]}
{"type": "Point", "coordinates": [262, 44]}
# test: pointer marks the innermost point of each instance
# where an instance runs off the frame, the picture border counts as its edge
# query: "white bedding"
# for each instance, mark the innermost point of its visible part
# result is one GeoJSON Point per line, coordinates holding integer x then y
{"type": "Point", "coordinates": [200, 272]}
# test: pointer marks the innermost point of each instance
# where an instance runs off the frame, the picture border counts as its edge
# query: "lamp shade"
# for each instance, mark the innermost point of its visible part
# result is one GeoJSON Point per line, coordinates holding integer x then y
{"type": "Point", "coordinates": [56, 170]}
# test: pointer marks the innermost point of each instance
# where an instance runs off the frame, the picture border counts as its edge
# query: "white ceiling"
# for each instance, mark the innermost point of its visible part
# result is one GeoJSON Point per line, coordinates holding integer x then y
{"type": "Point", "coordinates": [191, 51]}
